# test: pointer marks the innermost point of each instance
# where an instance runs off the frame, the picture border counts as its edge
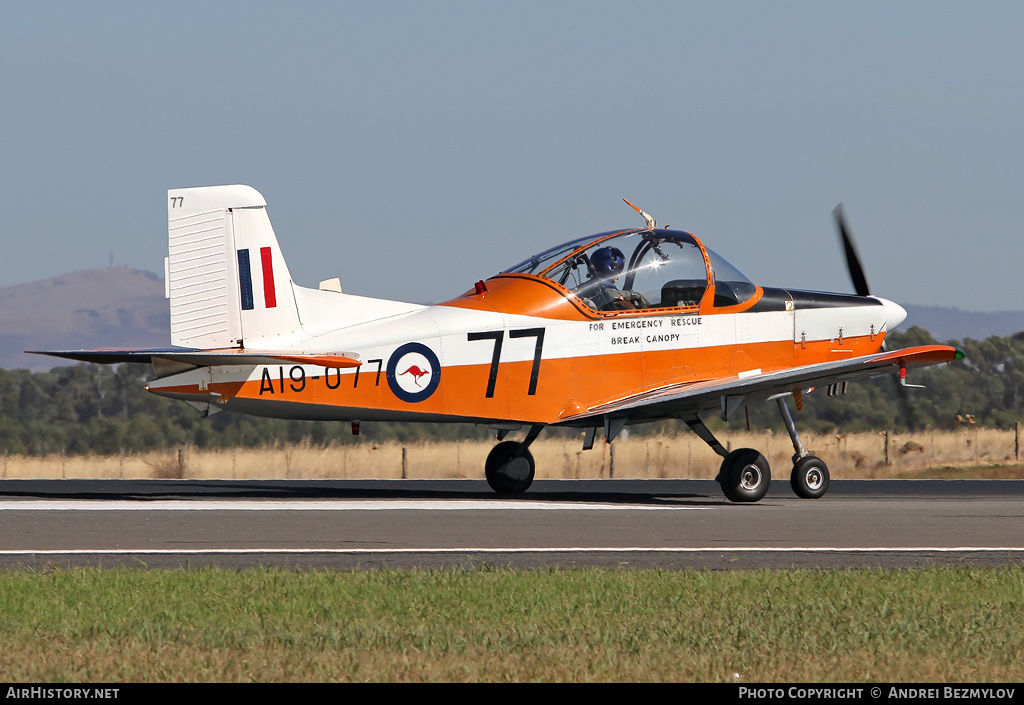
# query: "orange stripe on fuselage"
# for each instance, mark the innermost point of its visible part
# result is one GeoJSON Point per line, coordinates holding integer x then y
{"type": "Point", "coordinates": [565, 386]}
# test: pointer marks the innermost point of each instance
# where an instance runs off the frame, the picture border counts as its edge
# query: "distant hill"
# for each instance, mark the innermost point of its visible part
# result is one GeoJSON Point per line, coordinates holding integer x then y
{"type": "Point", "coordinates": [119, 307]}
{"type": "Point", "coordinates": [953, 324]}
{"type": "Point", "coordinates": [93, 308]}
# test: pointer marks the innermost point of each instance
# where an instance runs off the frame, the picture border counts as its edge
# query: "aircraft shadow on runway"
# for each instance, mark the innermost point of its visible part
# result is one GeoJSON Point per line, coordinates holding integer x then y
{"type": "Point", "coordinates": [640, 493]}
{"type": "Point", "coordinates": [654, 492]}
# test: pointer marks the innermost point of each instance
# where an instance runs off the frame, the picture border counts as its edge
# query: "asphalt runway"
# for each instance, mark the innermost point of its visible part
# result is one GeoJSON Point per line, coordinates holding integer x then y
{"type": "Point", "coordinates": [351, 524]}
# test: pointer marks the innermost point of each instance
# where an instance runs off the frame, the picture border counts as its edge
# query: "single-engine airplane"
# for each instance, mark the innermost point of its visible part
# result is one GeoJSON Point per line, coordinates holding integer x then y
{"type": "Point", "coordinates": [605, 330]}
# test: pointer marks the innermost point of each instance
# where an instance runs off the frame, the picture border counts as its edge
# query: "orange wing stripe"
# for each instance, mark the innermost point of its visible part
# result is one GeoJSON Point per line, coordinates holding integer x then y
{"type": "Point", "coordinates": [923, 354]}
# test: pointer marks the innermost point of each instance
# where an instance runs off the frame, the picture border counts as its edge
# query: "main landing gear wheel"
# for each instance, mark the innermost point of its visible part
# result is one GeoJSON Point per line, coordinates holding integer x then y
{"type": "Point", "coordinates": [810, 477]}
{"type": "Point", "coordinates": [509, 469]}
{"type": "Point", "coordinates": [745, 475]}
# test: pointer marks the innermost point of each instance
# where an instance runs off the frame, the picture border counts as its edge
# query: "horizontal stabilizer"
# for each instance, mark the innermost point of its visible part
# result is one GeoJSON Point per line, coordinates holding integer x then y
{"type": "Point", "coordinates": [204, 358]}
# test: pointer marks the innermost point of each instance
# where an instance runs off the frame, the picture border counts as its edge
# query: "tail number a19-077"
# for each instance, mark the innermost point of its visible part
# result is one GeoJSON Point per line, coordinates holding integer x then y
{"type": "Point", "coordinates": [498, 336]}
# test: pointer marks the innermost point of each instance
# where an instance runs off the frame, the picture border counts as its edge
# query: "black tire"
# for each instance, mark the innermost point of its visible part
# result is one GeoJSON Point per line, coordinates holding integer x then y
{"type": "Point", "coordinates": [508, 469]}
{"type": "Point", "coordinates": [745, 476]}
{"type": "Point", "coordinates": [810, 477]}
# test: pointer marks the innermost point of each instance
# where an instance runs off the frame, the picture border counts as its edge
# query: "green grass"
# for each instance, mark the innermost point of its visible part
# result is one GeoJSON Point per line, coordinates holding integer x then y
{"type": "Point", "coordinates": [125, 625]}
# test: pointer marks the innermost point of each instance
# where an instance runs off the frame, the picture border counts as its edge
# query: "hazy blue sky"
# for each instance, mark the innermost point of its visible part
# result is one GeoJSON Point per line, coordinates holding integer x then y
{"type": "Point", "coordinates": [412, 148]}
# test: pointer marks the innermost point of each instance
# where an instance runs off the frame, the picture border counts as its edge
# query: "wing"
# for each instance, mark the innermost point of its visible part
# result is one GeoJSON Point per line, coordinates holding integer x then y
{"type": "Point", "coordinates": [203, 358]}
{"type": "Point", "coordinates": [727, 394]}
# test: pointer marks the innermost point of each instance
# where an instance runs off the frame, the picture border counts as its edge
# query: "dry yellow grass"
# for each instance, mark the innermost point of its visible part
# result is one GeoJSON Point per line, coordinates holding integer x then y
{"type": "Point", "coordinates": [847, 455]}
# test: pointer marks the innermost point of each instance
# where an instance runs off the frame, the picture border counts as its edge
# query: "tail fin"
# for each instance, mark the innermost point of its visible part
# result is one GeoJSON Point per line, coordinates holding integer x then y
{"type": "Point", "coordinates": [227, 280]}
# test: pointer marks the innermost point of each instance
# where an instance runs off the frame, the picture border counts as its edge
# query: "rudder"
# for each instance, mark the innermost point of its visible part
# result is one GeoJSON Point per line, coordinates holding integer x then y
{"type": "Point", "coordinates": [227, 280]}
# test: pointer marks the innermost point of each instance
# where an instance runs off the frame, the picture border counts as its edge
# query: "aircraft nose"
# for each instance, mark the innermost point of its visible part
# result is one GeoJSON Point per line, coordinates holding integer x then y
{"type": "Point", "coordinates": [894, 313]}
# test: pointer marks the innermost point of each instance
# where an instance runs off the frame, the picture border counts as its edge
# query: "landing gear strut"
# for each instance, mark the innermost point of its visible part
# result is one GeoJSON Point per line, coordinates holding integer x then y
{"type": "Point", "coordinates": [745, 475]}
{"type": "Point", "coordinates": [509, 467]}
{"type": "Point", "coordinates": [810, 477]}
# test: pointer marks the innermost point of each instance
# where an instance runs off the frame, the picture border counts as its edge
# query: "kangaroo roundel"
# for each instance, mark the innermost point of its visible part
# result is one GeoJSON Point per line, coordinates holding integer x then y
{"type": "Point", "coordinates": [413, 372]}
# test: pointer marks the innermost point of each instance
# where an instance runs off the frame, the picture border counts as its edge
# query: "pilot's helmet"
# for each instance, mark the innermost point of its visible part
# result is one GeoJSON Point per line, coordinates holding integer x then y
{"type": "Point", "coordinates": [607, 262]}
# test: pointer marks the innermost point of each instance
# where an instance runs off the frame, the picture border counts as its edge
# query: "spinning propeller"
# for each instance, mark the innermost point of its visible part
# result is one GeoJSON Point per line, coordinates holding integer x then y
{"type": "Point", "coordinates": [860, 282]}
{"type": "Point", "coordinates": [893, 310]}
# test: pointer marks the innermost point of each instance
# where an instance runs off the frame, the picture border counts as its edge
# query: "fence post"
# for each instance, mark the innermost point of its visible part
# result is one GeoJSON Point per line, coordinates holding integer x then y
{"type": "Point", "coordinates": [404, 463]}
{"type": "Point", "coordinates": [887, 448]}
{"type": "Point", "coordinates": [611, 461]}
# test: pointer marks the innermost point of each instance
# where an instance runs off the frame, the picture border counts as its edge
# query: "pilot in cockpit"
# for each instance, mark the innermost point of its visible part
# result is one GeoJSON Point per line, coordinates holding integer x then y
{"type": "Point", "coordinates": [599, 290]}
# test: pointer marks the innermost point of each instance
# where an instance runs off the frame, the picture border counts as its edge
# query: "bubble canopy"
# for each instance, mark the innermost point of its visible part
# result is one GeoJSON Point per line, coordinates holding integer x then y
{"type": "Point", "coordinates": [639, 269]}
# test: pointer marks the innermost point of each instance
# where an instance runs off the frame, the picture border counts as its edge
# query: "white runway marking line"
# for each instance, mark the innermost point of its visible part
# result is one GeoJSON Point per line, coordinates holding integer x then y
{"type": "Point", "coordinates": [298, 505]}
{"type": "Point", "coordinates": [554, 549]}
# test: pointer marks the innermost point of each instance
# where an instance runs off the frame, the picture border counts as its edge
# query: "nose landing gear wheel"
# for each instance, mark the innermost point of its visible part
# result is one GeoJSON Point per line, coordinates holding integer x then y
{"type": "Point", "coordinates": [810, 477]}
{"type": "Point", "coordinates": [509, 469]}
{"type": "Point", "coordinates": [745, 475]}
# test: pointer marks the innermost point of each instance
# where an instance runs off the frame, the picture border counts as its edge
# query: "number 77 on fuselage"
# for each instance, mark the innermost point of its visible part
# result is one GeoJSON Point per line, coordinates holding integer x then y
{"type": "Point", "coordinates": [617, 328]}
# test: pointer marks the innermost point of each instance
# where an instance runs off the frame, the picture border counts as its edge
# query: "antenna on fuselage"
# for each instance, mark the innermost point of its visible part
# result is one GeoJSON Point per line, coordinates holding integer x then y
{"type": "Point", "coordinates": [651, 224]}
